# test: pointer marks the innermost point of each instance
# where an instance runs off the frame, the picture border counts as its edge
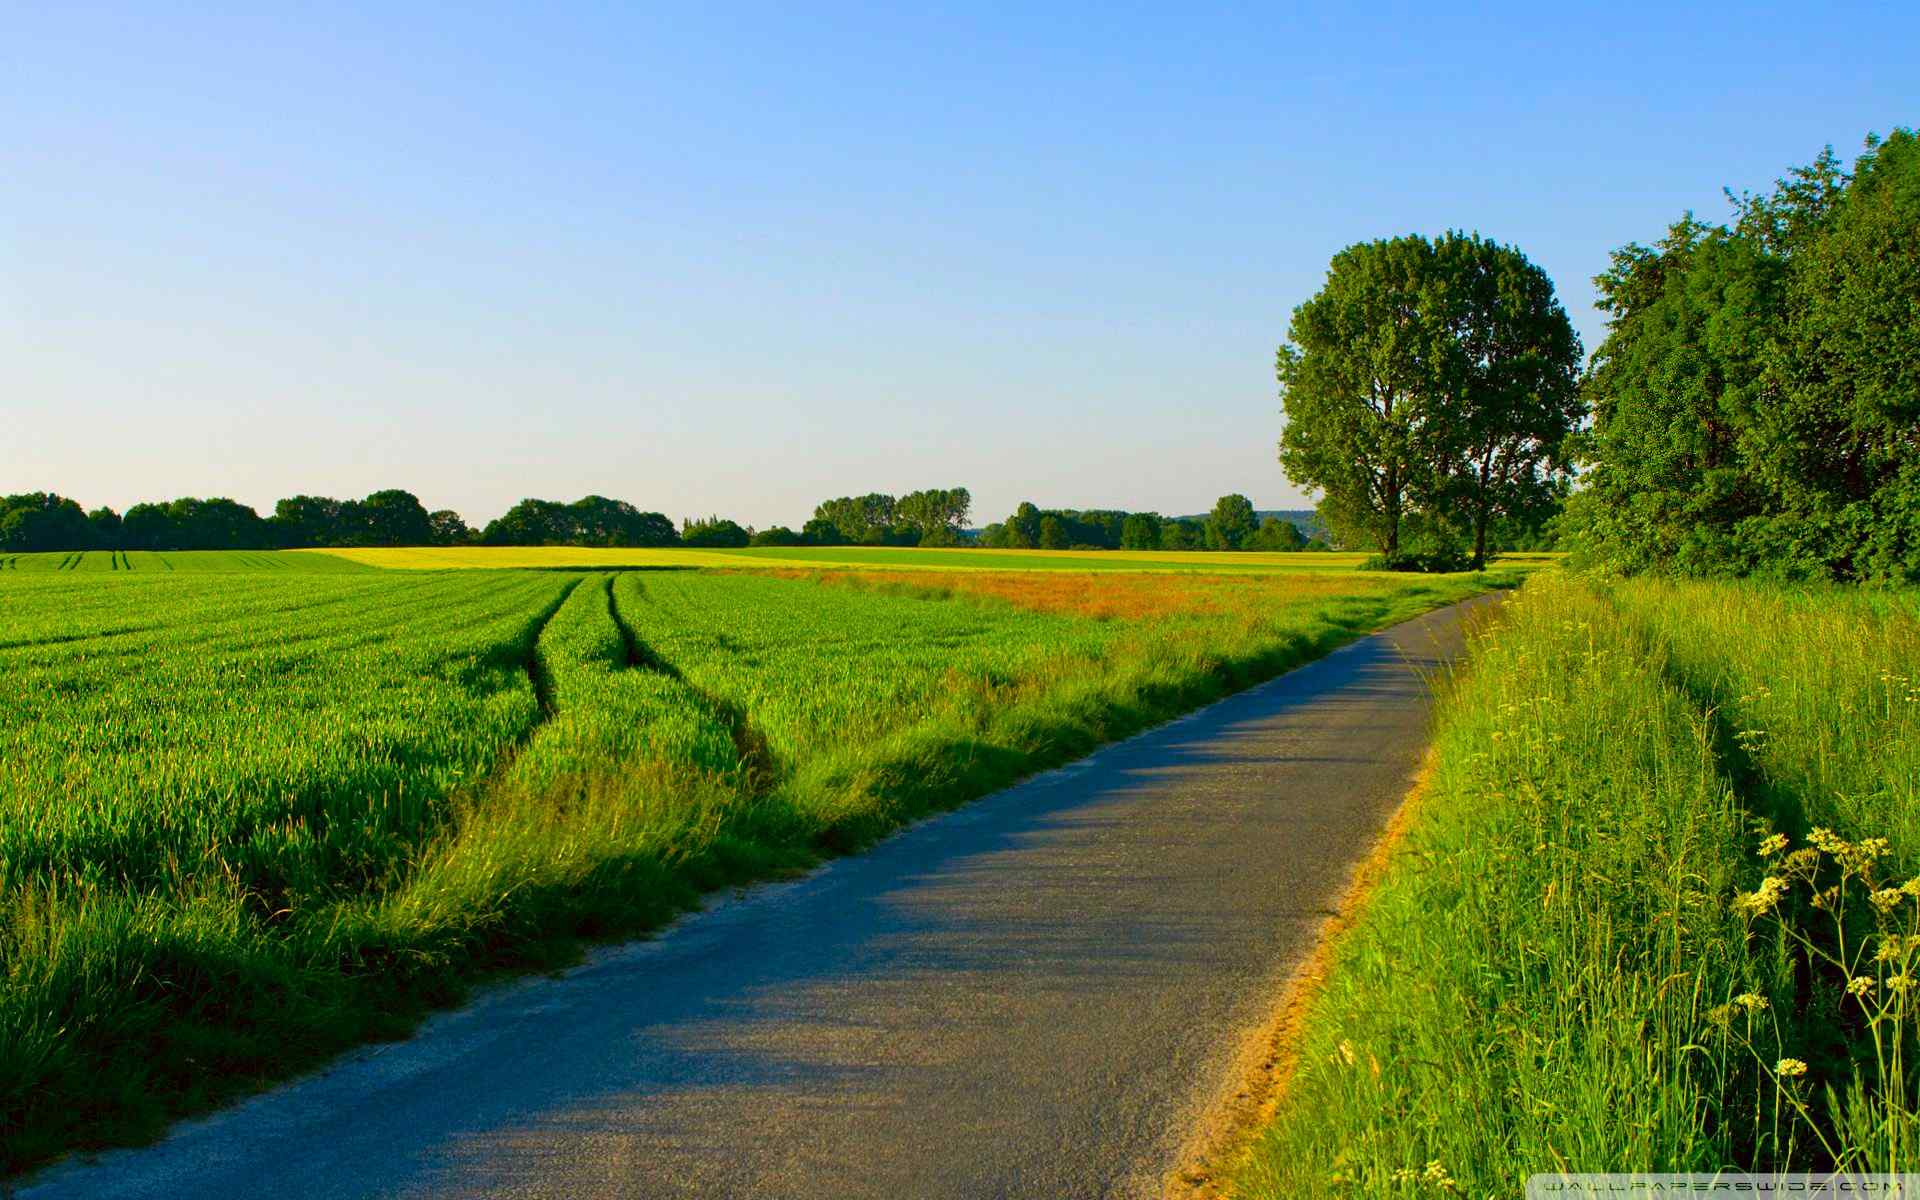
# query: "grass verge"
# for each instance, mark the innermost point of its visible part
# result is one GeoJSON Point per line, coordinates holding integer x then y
{"type": "Point", "coordinates": [1650, 916]}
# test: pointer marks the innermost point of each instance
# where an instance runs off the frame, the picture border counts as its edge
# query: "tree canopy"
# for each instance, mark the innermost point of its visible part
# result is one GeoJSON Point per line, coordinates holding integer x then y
{"type": "Point", "coordinates": [1275, 534]}
{"type": "Point", "coordinates": [1140, 531]}
{"type": "Point", "coordinates": [932, 517]}
{"type": "Point", "coordinates": [713, 531]}
{"type": "Point", "coordinates": [588, 521]}
{"type": "Point", "coordinates": [856, 520]}
{"type": "Point", "coordinates": [1231, 524]}
{"type": "Point", "coordinates": [386, 518]}
{"type": "Point", "coordinates": [1757, 398]}
{"type": "Point", "coordinates": [41, 521]}
{"type": "Point", "coordinates": [194, 524]}
{"type": "Point", "coordinates": [1429, 379]}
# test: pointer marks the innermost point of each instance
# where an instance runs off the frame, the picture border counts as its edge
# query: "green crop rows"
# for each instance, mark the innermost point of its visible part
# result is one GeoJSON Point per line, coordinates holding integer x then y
{"type": "Point", "coordinates": [250, 817]}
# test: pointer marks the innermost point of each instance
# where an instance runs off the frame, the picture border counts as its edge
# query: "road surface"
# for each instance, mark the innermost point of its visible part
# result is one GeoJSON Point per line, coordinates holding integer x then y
{"type": "Point", "coordinates": [1033, 996]}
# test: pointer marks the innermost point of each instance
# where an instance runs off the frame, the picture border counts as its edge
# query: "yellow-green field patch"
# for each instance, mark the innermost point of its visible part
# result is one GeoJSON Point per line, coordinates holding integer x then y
{"type": "Point", "coordinates": [884, 557]}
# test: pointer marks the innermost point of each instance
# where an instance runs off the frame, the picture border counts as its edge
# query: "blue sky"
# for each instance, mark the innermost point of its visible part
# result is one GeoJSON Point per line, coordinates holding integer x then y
{"type": "Point", "coordinates": [738, 258]}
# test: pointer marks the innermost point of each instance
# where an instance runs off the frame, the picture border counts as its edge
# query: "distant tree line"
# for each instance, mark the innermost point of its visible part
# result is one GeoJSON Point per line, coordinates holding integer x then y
{"type": "Point", "coordinates": [1756, 402]}
{"type": "Point", "coordinates": [588, 521]}
{"type": "Point", "coordinates": [932, 517]}
{"type": "Point", "coordinates": [42, 521]}
{"type": "Point", "coordinates": [1232, 525]}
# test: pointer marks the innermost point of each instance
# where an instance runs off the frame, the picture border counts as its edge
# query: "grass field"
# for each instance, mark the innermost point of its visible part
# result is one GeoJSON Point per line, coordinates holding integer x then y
{"type": "Point", "coordinates": [251, 817]}
{"type": "Point", "coordinates": [1656, 911]}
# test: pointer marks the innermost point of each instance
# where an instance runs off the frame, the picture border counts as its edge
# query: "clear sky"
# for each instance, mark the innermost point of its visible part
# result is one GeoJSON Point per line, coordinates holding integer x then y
{"type": "Point", "coordinates": [735, 259]}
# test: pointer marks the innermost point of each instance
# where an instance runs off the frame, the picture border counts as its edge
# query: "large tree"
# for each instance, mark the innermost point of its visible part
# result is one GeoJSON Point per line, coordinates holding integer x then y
{"type": "Point", "coordinates": [309, 521]}
{"type": "Point", "coordinates": [1357, 385]}
{"type": "Point", "coordinates": [1837, 437]}
{"type": "Point", "coordinates": [935, 516]}
{"type": "Point", "coordinates": [1433, 378]}
{"type": "Point", "coordinates": [598, 521]}
{"type": "Point", "coordinates": [394, 518]}
{"type": "Point", "coordinates": [1021, 531]}
{"type": "Point", "coordinates": [1231, 523]}
{"type": "Point", "coordinates": [1514, 378]}
{"type": "Point", "coordinates": [532, 522]}
{"type": "Point", "coordinates": [869, 518]}
{"type": "Point", "coordinates": [1665, 484]}
{"type": "Point", "coordinates": [449, 528]}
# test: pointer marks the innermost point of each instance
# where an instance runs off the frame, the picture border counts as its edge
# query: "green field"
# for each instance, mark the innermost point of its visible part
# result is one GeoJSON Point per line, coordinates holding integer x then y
{"type": "Point", "coordinates": [1577, 960]}
{"type": "Point", "coordinates": [249, 817]}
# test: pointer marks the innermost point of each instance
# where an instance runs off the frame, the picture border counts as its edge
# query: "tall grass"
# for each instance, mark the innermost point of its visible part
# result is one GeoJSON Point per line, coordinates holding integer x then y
{"type": "Point", "coordinates": [1526, 985]}
{"type": "Point", "coordinates": [1650, 914]}
{"type": "Point", "coordinates": [1818, 691]}
{"type": "Point", "coordinates": [1816, 695]}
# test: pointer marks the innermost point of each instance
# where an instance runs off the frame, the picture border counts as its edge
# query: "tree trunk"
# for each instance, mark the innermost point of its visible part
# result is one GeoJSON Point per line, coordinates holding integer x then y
{"type": "Point", "coordinates": [1392, 548]}
{"type": "Point", "coordinates": [1482, 513]}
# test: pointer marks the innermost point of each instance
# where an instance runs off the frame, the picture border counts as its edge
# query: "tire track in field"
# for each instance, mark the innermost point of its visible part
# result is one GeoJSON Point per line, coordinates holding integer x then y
{"type": "Point", "coordinates": [498, 770]}
{"type": "Point", "coordinates": [528, 661]}
{"type": "Point", "coordinates": [537, 673]}
{"type": "Point", "coordinates": [750, 745]}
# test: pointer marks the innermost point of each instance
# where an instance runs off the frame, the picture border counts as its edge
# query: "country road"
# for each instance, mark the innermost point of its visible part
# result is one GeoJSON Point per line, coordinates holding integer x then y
{"type": "Point", "coordinates": [1033, 996]}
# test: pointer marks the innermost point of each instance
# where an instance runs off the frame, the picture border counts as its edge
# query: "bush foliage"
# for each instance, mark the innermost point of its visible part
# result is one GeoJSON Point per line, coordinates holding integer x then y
{"type": "Point", "coordinates": [1757, 399]}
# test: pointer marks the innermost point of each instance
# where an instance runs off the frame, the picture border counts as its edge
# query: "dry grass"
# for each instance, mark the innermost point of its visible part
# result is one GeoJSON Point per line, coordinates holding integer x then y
{"type": "Point", "coordinates": [1122, 597]}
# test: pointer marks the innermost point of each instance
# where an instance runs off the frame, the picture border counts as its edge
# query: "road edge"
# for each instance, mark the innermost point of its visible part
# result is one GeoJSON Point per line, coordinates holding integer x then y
{"type": "Point", "coordinates": [1267, 1056]}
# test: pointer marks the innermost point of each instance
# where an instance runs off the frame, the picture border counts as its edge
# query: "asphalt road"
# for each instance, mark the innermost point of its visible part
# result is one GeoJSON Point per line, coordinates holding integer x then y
{"type": "Point", "coordinates": [1033, 996]}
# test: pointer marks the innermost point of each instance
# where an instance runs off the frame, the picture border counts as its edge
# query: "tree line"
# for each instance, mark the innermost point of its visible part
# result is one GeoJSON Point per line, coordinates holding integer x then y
{"type": "Point", "coordinates": [1232, 525]}
{"type": "Point", "coordinates": [43, 521]}
{"type": "Point", "coordinates": [1756, 402]}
